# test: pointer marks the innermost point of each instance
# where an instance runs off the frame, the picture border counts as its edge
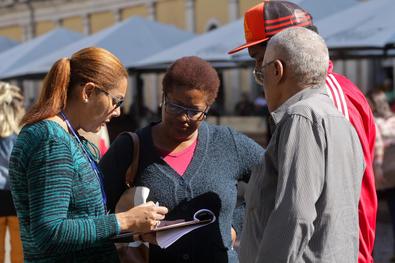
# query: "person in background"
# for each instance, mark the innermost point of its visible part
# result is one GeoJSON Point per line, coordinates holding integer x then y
{"type": "Point", "coordinates": [388, 88]}
{"type": "Point", "coordinates": [244, 107]}
{"type": "Point", "coordinates": [100, 139]}
{"type": "Point", "coordinates": [262, 22]}
{"type": "Point", "coordinates": [55, 181]}
{"type": "Point", "coordinates": [188, 164]}
{"type": "Point", "coordinates": [104, 140]}
{"type": "Point", "coordinates": [384, 165]}
{"type": "Point", "coordinates": [260, 105]}
{"type": "Point", "coordinates": [11, 112]}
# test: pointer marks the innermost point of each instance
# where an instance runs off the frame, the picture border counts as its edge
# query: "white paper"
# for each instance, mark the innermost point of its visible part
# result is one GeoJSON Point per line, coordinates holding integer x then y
{"type": "Point", "coordinates": [140, 197]}
{"type": "Point", "coordinates": [166, 238]}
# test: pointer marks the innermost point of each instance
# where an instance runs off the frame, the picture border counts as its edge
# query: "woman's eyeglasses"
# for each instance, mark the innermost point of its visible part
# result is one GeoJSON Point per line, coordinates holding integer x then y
{"type": "Point", "coordinates": [192, 114]}
{"type": "Point", "coordinates": [116, 102]}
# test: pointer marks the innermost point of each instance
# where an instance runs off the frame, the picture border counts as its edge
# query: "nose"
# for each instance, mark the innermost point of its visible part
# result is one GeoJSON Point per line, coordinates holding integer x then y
{"type": "Point", "coordinates": [116, 112]}
{"type": "Point", "coordinates": [182, 116]}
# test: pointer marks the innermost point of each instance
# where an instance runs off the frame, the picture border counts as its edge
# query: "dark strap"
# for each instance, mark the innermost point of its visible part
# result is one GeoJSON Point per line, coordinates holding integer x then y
{"type": "Point", "coordinates": [132, 170]}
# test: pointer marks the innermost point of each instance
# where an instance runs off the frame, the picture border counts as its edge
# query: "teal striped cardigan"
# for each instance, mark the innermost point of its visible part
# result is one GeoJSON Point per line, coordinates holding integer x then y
{"type": "Point", "coordinates": [58, 199]}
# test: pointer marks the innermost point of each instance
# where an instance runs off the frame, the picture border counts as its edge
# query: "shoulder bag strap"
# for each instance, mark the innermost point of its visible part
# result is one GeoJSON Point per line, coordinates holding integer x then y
{"type": "Point", "coordinates": [132, 170]}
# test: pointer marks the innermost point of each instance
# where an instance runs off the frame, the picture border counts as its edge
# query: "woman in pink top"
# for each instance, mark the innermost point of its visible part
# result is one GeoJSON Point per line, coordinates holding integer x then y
{"type": "Point", "coordinates": [188, 165]}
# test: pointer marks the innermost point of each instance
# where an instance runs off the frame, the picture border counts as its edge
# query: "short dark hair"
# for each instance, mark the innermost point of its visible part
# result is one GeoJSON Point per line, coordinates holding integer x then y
{"type": "Point", "coordinates": [192, 73]}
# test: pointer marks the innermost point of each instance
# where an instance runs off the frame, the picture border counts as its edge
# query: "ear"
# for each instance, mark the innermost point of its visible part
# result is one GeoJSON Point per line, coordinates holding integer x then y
{"type": "Point", "coordinates": [279, 70]}
{"type": "Point", "coordinates": [87, 91]}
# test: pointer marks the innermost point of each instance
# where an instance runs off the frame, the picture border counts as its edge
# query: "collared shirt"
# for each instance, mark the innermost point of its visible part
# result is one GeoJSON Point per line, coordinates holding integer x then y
{"type": "Point", "coordinates": [302, 201]}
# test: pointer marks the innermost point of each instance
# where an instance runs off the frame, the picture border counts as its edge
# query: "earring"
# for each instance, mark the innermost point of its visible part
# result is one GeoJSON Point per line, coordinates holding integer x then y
{"type": "Point", "coordinates": [86, 100]}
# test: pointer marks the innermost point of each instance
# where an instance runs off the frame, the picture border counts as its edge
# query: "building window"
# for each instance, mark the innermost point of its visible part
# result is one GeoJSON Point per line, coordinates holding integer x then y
{"type": "Point", "coordinates": [212, 27]}
{"type": "Point", "coordinates": [212, 24]}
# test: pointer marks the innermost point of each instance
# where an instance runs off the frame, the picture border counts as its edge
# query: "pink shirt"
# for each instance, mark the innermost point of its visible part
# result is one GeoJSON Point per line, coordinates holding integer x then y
{"type": "Point", "coordinates": [179, 161]}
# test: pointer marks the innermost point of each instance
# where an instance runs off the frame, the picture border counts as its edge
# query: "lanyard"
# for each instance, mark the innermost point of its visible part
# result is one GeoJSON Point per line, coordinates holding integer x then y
{"type": "Point", "coordinates": [92, 162]}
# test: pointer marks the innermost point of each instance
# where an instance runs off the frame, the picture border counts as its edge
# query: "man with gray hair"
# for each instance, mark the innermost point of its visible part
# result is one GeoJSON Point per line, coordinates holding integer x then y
{"type": "Point", "coordinates": [302, 201]}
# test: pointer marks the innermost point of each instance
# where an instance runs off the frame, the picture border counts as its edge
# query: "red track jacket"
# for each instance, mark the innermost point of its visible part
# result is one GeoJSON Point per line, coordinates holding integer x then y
{"type": "Point", "coordinates": [350, 101]}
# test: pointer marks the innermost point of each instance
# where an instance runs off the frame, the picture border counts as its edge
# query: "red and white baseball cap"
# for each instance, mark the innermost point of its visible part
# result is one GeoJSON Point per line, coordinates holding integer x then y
{"type": "Point", "coordinates": [264, 20]}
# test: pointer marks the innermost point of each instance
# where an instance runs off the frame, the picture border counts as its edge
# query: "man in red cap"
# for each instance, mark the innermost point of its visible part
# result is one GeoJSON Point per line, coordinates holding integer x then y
{"type": "Point", "coordinates": [263, 21]}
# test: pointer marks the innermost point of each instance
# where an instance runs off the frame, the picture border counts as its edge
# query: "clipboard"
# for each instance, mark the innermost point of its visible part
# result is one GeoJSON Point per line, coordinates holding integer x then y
{"type": "Point", "coordinates": [200, 218]}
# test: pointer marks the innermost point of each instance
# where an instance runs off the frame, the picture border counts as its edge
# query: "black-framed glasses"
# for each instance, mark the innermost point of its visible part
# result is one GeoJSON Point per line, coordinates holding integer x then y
{"type": "Point", "coordinates": [192, 114]}
{"type": "Point", "coordinates": [116, 102]}
{"type": "Point", "coordinates": [266, 64]}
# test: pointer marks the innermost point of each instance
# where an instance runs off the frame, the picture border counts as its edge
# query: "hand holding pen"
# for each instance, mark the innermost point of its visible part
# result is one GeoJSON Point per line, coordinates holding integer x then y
{"type": "Point", "coordinates": [142, 218]}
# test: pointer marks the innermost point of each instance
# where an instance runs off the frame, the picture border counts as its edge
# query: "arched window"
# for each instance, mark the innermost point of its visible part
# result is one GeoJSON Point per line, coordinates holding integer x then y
{"type": "Point", "coordinates": [212, 24]}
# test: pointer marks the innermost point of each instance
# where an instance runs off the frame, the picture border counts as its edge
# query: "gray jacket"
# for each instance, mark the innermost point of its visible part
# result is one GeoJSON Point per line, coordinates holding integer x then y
{"type": "Point", "coordinates": [302, 202]}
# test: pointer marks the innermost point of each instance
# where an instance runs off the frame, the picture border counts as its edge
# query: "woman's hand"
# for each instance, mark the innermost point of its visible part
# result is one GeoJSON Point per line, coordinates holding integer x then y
{"type": "Point", "coordinates": [142, 218]}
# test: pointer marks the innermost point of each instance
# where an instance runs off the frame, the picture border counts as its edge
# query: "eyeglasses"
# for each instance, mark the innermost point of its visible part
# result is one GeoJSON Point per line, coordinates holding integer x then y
{"type": "Point", "coordinates": [116, 102]}
{"type": "Point", "coordinates": [192, 114]}
{"type": "Point", "coordinates": [266, 64]}
{"type": "Point", "coordinates": [258, 72]}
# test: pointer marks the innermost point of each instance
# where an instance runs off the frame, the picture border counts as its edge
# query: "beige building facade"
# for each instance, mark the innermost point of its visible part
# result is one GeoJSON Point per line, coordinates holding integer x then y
{"type": "Point", "coordinates": [22, 20]}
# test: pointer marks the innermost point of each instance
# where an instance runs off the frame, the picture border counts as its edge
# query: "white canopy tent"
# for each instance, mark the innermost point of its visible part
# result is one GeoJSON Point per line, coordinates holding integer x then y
{"type": "Point", "coordinates": [6, 43]}
{"type": "Point", "coordinates": [33, 50]}
{"type": "Point", "coordinates": [324, 8]}
{"type": "Point", "coordinates": [361, 31]}
{"type": "Point", "coordinates": [130, 40]}
{"type": "Point", "coordinates": [214, 45]}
